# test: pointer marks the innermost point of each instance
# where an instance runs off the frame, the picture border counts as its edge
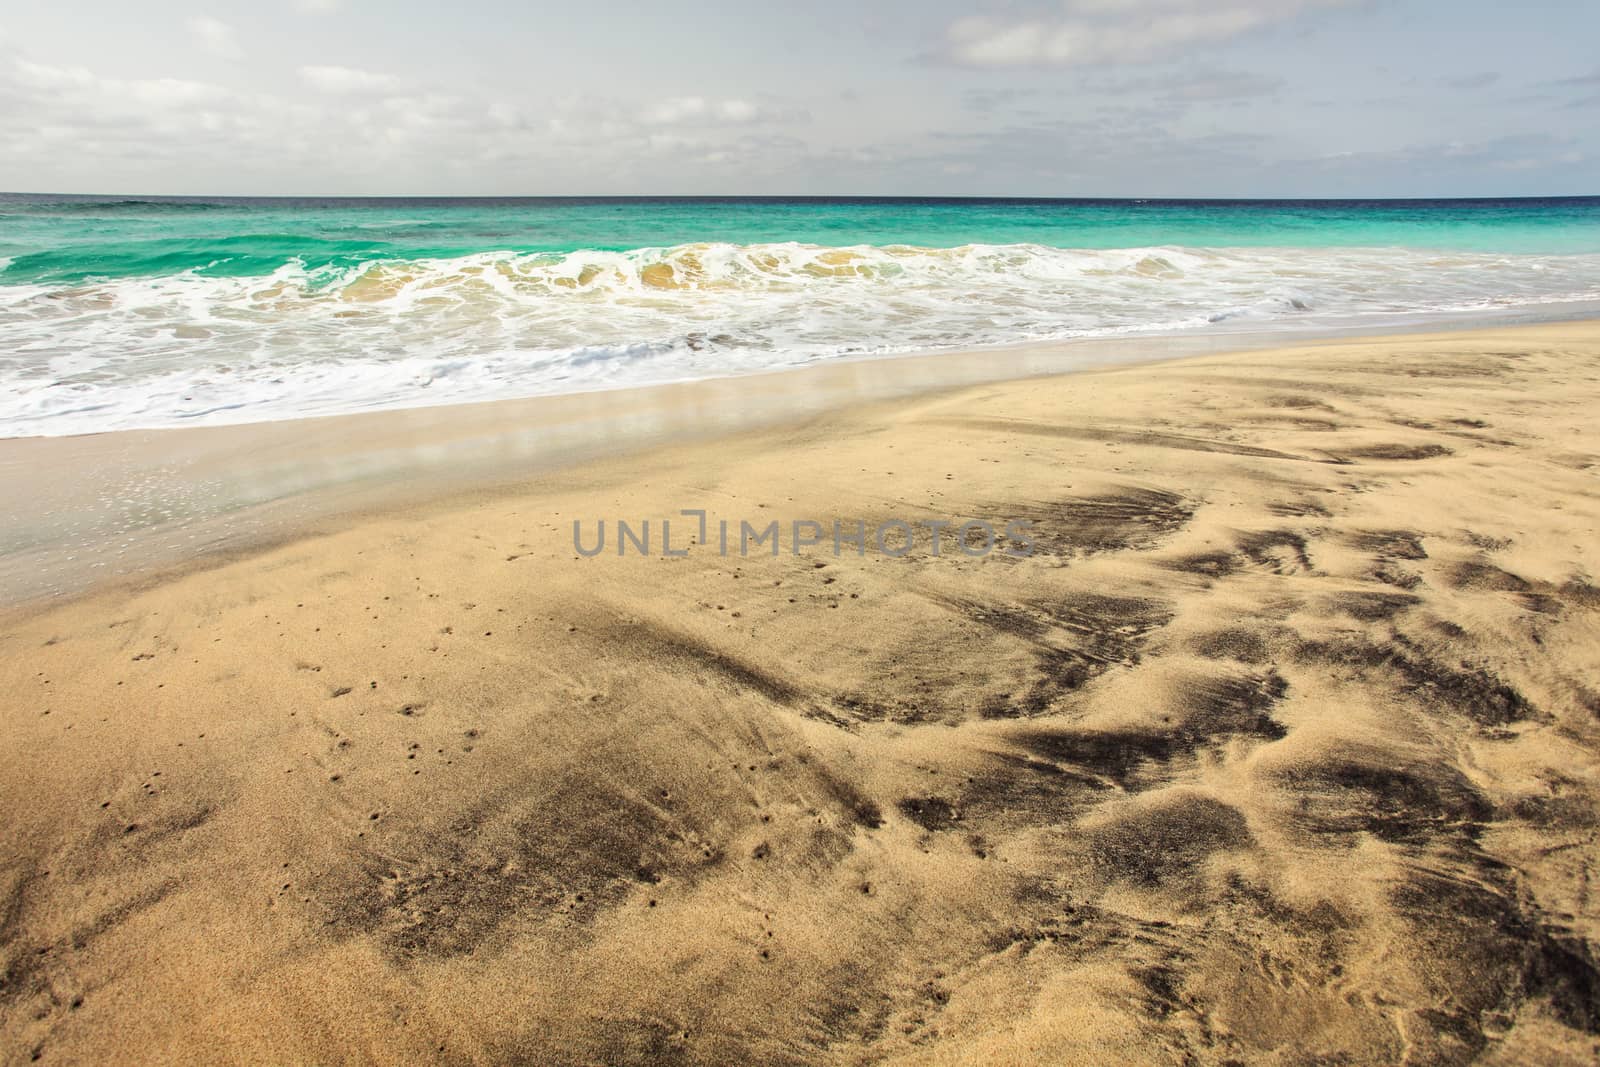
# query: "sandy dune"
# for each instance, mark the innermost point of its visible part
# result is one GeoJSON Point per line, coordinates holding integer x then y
{"type": "Point", "coordinates": [1283, 747]}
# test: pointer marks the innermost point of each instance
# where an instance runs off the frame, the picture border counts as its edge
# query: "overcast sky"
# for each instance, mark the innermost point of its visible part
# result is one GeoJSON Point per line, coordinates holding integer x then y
{"type": "Point", "coordinates": [1058, 97]}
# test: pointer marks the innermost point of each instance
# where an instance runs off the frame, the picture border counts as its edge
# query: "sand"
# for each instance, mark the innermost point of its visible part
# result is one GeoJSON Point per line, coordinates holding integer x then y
{"type": "Point", "coordinates": [1282, 747]}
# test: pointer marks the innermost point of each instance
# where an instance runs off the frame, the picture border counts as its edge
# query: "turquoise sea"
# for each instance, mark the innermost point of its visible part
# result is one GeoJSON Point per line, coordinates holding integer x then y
{"type": "Point", "coordinates": [121, 312]}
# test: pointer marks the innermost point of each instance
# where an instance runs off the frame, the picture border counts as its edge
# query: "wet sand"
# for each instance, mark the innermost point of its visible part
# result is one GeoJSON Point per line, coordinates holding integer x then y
{"type": "Point", "coordinates": [1282, 746]}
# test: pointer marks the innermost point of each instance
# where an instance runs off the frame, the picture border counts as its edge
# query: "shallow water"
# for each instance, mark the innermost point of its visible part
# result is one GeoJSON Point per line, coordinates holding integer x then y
{"type": "Point", "coordinates": [121, 313]}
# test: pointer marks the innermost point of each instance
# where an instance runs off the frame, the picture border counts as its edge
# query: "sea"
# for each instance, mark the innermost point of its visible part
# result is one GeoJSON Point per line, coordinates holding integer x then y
{"type": "Point", "coordinates": [124, 312]}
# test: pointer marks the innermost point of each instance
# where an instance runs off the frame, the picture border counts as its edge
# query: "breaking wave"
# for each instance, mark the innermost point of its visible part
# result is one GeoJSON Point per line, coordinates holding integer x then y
{"type": "Point", "coordinates": [196, 348]}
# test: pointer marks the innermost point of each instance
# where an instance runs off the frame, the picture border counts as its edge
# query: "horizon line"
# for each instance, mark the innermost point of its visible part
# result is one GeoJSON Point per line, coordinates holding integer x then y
{"type": "Point", "coordinates": [869, 197]}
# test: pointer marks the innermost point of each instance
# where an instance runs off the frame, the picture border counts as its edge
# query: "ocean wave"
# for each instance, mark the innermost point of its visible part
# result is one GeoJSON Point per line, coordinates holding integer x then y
{"type": "Point", "coordinates": [235, 255]}
{"type": "Point", "coordinates": [355, 331]}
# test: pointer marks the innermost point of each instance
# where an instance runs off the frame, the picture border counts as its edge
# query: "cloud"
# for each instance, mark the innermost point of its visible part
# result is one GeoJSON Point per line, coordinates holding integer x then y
{"type": "Point", "coordinates": [989, 101]}
{"type": "Point", "coordinates": [1196, 86]}
{"type": "Point", "coordinates": [1202, 125]}
{"type": "Point", "coordinates": [1481, 80]}
{"type": "Point", "coordinates": [65, 126]}
{"type": "Point", "coordinates": [317, 7]}
{"type": "Point", "coordinates": [1508, 154]}
{"type": "Point", "coordinates": [1095, 32]}
{"type": "Point", "coordinates": [348, 81]}
{"type": "Point", "coordinates": [117, 94]}
{"type": "Point", "coordinates": [700, 111]}
{"type": "Point", "coordinates": [694, 109]}
{"type": "Point", "coordinates": [1110, 150]}
{"type": "Point", "coordinates": [1157, 97]}
{"type": "Point", "coordinates": [215, 36]}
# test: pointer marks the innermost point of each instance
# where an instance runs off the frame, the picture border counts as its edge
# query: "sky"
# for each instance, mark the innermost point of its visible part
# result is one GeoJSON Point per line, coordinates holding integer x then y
{"type": "Point", "coordinates": [1142, 98]}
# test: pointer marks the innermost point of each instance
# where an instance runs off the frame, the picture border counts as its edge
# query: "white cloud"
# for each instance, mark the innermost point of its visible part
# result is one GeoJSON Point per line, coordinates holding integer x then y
{"type": "Point", "coordinates": [116, 93]}
{"type": "Point", "coordinates": [687, 110]}
{"type": "Point", "coordinates": [348, 81]}
{"type": "Point", "coordinates": [480, 120]}
{"type": "Point", "coordinates": [708, 113]}
{"type": "Point", "coordinates": [215, 36]}
{"type": "Point", "coordinates": [1090, 32]}
{"type": "Point", "coordinates": [356, 131]}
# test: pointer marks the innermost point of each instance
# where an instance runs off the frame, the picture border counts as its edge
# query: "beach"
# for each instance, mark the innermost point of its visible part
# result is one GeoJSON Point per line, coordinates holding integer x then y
{"type": "Point", "coordinates": [1270, 735]}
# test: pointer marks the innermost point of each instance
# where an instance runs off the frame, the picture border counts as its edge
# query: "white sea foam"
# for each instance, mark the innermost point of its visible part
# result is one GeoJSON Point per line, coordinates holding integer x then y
{"type": "Point", "coordinates": [193, 349]}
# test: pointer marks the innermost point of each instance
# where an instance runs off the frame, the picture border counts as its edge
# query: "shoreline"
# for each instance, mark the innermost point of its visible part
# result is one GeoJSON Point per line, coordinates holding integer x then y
{"type": "Point", "coordinates": [1212, 339]}
{"type": "Point", "coordinates": [112, 507]}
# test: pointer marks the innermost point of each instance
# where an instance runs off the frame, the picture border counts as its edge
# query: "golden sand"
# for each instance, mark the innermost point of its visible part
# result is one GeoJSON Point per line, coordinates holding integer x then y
{"type": "Point", "coordinates": [1283, 747]}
